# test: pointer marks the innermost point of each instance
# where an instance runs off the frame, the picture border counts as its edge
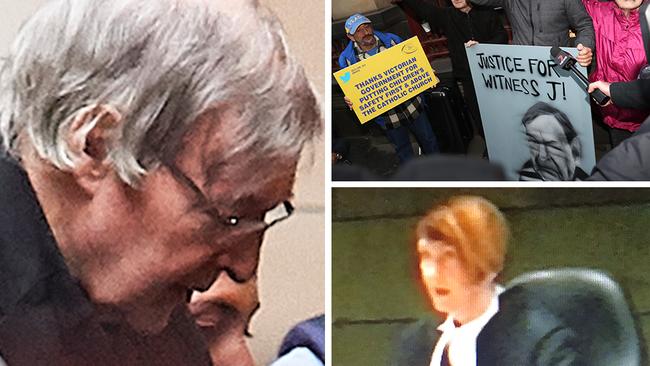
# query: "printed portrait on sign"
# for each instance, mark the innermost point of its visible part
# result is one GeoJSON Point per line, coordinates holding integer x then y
{"type": "Point", "coordinates": [554, 146]}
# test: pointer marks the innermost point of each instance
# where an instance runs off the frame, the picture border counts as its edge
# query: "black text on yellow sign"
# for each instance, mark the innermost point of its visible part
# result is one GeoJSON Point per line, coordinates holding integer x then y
{"type": "Point", "coordinates": [387, 79]}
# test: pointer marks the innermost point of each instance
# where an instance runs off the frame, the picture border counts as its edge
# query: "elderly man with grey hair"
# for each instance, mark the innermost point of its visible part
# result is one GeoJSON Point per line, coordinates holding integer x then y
{"type": "Point", "coordinates": [147, 146]}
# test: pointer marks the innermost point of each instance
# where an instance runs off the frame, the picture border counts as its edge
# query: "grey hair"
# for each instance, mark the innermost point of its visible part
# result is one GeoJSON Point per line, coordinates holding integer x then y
{"type": "Point", "coordinates": [161, 64]}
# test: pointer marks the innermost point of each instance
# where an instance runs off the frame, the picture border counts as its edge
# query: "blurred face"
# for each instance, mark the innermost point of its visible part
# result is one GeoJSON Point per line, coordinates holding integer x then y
{"type": "Point", "coordinates": [163, 240]}
{"type": "Point", "coordinates": [223, 313]}
{"type": "Point", "coordinates": [364, 36]}
{"type": "Point", "coordinates": [448, 283]}
{"type": "Point", "coordinates": [628, 4]}
{"type": "Point", "coordinates": [460, 4]}
{"type": "Point", "coordinates": [551, 153]}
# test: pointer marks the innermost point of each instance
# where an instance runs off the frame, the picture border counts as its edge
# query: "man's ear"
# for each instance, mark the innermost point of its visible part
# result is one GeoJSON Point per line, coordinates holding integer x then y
{"type": "Point", "coordinates": [90, 138]}
{"type": "Point", "coordinates": [576, 148]}
{"type": "Point", "coordinates": [350, 37]}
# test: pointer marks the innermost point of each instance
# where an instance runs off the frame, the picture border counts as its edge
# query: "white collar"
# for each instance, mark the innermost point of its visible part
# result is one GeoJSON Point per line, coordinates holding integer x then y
{"type": "Point", "coordinates": [477, 323]}
{"type": "Point", "coordinates": [462, 340]}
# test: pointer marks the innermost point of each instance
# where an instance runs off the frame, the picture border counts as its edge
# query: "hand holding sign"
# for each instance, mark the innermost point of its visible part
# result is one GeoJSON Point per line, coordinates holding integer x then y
{"type": "Point", "coordinates": [379, 83]}
{"type": "Point", "coordinates": [348, 102]}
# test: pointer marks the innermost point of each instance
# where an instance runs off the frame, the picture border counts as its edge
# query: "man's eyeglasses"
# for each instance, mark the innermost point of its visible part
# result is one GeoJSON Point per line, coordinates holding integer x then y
{"type": "Point", "coordinates": [271, 217]}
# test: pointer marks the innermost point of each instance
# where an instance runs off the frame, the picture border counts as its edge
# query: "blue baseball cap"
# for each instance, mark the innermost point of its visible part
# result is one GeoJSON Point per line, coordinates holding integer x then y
{"type": "Point", "coordinates": [354, 22]}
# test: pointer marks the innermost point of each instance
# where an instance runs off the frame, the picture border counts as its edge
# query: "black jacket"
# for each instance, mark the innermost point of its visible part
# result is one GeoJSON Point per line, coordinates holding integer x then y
{"type": "Point", "coordinates": [633, 94]}
{"type": "Point", "coordinates": [480, 24]}
{"type": "Point", "coordinates": [546, 22]}
{"type": "Point", "coordinates": [46, 317]}
{"type": "Point", "coordinates": [629, 161]}
{"type": "Point", "coordinates": [520, 334]}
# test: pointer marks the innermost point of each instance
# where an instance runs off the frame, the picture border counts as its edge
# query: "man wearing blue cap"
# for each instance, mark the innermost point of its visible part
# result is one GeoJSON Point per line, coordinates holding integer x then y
{"type": "Point", "coordinates": [366, 42]}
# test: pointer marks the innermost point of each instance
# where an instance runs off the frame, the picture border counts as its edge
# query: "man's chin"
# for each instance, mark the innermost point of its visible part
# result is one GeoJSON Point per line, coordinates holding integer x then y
{"type": "Point", "coordinates": [146, 316]}
{"type": "Point", "coordinates": [148, 321]}
{"type": "Point", "coordinates": [369, 40]}
{"type": "Point", "coordinates": [550, 173]}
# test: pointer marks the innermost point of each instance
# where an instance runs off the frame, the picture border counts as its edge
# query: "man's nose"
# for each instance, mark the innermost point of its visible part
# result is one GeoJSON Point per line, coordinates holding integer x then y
{"type": "Point", "coordinates": [543, 152]}
{"type": "Point", "coordinates": [242, 258]}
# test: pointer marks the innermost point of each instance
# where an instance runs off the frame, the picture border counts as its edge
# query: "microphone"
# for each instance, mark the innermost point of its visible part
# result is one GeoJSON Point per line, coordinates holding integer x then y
{"type": "Point", "coordinates": [567, 62]}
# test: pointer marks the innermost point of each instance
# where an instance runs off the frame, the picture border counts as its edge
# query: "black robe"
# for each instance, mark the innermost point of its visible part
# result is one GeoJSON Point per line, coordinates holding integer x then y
{"type": "Point", "coordinates": [46, 317]}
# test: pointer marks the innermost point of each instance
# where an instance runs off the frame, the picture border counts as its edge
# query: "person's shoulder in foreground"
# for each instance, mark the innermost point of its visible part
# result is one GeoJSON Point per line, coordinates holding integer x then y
{"type": "Point", "coordinates": [145, 141]}
{"type": "Point", "coordinates": [304, 344]}
{"type": "Point", "coordinates": [627, 161]}
{"type": "Point", "coordinates": [633, 94]}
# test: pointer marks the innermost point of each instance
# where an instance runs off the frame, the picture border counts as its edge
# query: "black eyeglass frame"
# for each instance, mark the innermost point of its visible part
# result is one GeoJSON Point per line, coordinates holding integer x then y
{"type": "Point", "coordinates": [229, 221]}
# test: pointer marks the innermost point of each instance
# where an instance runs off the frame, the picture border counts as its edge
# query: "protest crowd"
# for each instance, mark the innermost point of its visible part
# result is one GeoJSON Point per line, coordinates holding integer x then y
{"type": "Point", "coordinates": [448, 121]}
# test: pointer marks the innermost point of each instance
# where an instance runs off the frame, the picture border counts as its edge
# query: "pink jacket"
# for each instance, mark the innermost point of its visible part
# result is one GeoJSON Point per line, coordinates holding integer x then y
{"type": "Point", "coordinates": [620, 56]}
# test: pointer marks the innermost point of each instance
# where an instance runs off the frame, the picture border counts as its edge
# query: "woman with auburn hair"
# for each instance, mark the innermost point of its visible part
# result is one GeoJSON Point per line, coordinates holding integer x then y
{"type": "Point", "coordinates": [461, 247]}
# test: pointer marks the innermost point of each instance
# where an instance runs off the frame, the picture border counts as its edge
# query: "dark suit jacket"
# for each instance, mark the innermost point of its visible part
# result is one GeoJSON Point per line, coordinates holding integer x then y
{"type": "Point", "coordinates": [46, 317]}
{"type": "Point", "coordinates": [415, 344]}
{"type": "Point", "coordinates": [518, 335]}
{"type": "Point", "coordinates": [629, 161]}
{"type": "Point", "coordinates": [633, 94]}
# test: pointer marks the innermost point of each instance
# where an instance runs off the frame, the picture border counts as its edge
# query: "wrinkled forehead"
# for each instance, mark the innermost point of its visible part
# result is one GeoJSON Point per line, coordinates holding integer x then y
{"type": "Point", "coordinates": [251, 177]}
{"type": "Point", "coordinates": [547, 127]}
{"type": "Point", "coordinates": [364, 27]}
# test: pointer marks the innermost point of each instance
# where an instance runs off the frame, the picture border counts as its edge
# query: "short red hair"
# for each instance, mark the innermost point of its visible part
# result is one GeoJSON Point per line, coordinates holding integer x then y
{"type": "Point", "coordinates": [474, 227]}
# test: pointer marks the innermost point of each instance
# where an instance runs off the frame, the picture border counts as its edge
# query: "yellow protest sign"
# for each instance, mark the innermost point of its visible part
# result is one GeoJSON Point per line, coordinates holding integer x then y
{"type": "Point", "coordinates": [387, 79]}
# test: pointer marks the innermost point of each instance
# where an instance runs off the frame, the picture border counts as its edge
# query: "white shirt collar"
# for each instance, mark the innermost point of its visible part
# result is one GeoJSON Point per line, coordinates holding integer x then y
{"type": "Point", "coordinates": [479, 322]}
{"type": "Point", "coordinates": [462, 340]}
